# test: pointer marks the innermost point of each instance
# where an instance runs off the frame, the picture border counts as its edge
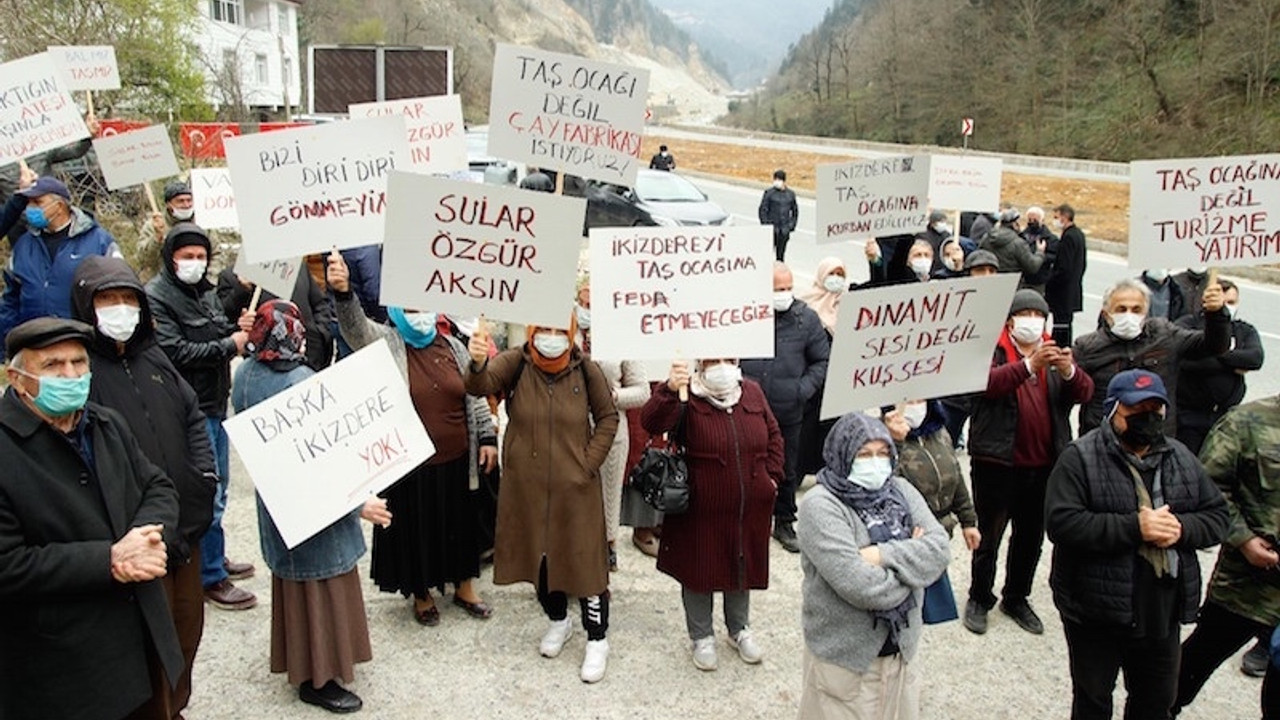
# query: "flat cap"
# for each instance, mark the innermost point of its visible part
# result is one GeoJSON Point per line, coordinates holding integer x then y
{"type": "Point", "coordinates": [980, 258]}
{"type": "Point", "coordinates": [45, 331]}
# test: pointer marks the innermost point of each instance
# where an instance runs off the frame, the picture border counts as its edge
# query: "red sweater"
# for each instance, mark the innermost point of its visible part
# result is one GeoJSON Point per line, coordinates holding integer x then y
{"type": "Point", "coordinates": [1033, 439]}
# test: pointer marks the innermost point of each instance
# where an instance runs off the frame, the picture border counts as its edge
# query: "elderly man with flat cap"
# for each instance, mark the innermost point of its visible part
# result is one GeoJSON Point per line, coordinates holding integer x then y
{"type": "Point", "coordinates": [85, 519]}
{"type": "Point", "coordinates": [1126, 509]}
{"type": "Point", "coordinates": [37, 280]}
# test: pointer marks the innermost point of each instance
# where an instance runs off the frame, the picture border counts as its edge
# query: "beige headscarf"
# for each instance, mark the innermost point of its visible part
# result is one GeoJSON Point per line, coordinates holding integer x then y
{"type": "Point", "coordinates": [822, 301]}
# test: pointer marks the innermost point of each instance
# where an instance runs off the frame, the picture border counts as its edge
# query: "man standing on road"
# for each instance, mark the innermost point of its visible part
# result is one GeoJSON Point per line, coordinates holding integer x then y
{"type": "Point", "coordinates": [84, 520]}
{"type": "Point", "coordinates": [664, 160]}
{"type": "Point", "coordinates": [1019, 428]}
{"type": "Point", "coordinates": [194, 332]}
{"type": "Point", "coordinates": [1126, 509]}
{"type": "Point", "coordinates": [1065, 288]}
{"type": "Point", "coordinates": [1244, 594]}
{"type": "Point", "coordinates": [795, 373]}
{"type": "Point", "coordinates": [1129, 338]}
{"type": "Point", "coordinates": [778, 208]}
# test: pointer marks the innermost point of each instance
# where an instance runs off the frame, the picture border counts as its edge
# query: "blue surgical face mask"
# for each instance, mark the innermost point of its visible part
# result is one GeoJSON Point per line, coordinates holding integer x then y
{"type": "Point", "coordinates": [60, 396]}
{"type": "Point", "coordinates": [35, 218]}
{"type": "Point", "coordinates": [871, 473]}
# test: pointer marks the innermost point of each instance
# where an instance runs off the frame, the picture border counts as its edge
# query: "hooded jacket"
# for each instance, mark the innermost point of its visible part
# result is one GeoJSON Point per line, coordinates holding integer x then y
{"type": "Point", "coordinates": [37, 284]}
{"type": "Point", "coordinates": [1012, 251]}
{"type": "Point", "coordinates": [191, 327]}
{"type": "Point", "coordinates": [138, 381]}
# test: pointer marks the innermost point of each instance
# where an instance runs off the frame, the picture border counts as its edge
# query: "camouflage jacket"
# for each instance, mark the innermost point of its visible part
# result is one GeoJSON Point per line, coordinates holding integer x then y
{"type": "Point", "coordinates": [930, 465]}
{"type": "Point", "coordinates": [1242, 455]}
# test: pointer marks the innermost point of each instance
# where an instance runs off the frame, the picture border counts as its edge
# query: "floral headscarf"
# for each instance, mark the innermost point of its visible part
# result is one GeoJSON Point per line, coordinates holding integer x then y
{"type": "Point", "coordinates": [278, 337]}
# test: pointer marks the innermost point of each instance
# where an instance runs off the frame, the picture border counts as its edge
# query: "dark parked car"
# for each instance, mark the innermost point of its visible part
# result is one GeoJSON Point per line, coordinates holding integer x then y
{"type": "Point", "coordinates": [659, 198]}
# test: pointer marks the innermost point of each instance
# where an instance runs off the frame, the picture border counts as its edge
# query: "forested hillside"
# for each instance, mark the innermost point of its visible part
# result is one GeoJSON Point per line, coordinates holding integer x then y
{"type": "Point", "coordinates": [1110, 79]}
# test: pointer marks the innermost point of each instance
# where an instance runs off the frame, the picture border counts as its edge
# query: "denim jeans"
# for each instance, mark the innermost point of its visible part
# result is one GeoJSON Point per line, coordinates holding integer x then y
{"type": "Point", "coordinates": [213, 547]}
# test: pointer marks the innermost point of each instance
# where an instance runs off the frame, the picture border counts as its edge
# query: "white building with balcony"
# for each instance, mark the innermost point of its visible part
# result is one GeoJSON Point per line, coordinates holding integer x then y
{"type": "Point", "coordinates": [250, 52]}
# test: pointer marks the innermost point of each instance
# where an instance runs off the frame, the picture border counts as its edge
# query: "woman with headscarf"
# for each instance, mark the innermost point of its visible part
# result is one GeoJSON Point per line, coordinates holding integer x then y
{"type": "Point", "coordinates": [630, 389]}
{"type": "Point", "coordinates": [869, 545]}
{"type": "Point", "coordinates": [561, 423]}
{"type": "Point", "coordinates": [830, 283]}
{"type": "Point", "coordinates": [733, 448]}
{"type": "Point", "coordinates": [437, 536]}
{"type": "Point", "coordinates": [318, 626]}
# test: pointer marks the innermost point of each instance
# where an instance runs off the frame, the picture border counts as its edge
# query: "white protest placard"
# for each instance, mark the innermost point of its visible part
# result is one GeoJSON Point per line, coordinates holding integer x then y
{"type": "Point", "coordinates": [277, 277]}
{"type": "Point", "coordinates": [134, 157]}
{"type": "Point", "coordinates": [1222, 211]}
{"type": "Point", "coordinates": [964, 182]}
{"type": "Point", "coordinates": [436, 133]}
{"type": "Point", "coordinates": [87, 67]}
{"type": "Point", "coordinates": [870, 198]}
{"type": "Point", "coordinates": [471, 249]}
{"type": "Point", "coordinates": [214, 199]}
{"type": "Point", "coordinates": [319, 449]}
{"type": "Point", "coordinates": [36, 110]}
{"type": "Point", "coordinates": [660, 293]}
{"type": "Point", "coordinates": [311, 189]}
{"type": "Point", "coordinates": [567, 113]}
{"type": "Point", "coordinates": [915, 341]}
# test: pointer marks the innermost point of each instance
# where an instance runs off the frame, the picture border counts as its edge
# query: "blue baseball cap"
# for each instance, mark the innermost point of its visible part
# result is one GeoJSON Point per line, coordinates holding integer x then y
{"type": "Point", "coordinates": [46, 186]}
{"type": "Point", "coordinates": [1134, 386]}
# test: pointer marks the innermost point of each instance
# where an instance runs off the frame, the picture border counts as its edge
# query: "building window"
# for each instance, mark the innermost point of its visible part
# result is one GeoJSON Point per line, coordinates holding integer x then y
{"type": "Point", "coordinates": [260, 68]}
{"type": "Point", "coordinates": [288, 71]}
{"type": "Point", "coordinates": [282, 20]}
{"type": "Point", "coordinates": [227, 11]}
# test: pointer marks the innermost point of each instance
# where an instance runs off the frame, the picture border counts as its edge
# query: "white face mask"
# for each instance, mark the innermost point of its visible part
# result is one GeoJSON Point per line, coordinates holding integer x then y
{"type": "Point", "coordinates": [1027, 330]}
{"type": "Point", "coordinates": [833, 283]}
{"type": "Point", "coordinates": [778, 184]}
{"type": "Point", "coordinates": [424, 323]}
{"type": "Point", "coordinates": [1199, 269]}
{"type": "Point", "coordinates": [942, 228]}
{"type": "Point", "coordinates": [1127, 326]}
{"type": "Point", "coordinates": [183, 214]}
{"type": "Point", "coordinates": [1158, 275]}
{"type": "Point", "coordinates": [955, 264]}
{"type": "Point", "coordinates": [551, 346]}
{"type": "Point", "coordinates": [467, 326]}
{"type": "Point", "coordinates": [1232, 309]}
{"type": "Point", "coordinates": [782, 301]}
{"type": "Point", "coordinates": [721, 377]}
{"type": "Point", "coordinates": [870, 473]}
{"type": "Point", "coordinates": [915, 414]}
{"type": "Point", "coordinates": [921, 266]}
{"type": "Point", "coordinates": [191, 271]}
{"type": "Point", "coordinates": [118, 322]}
{"type": "Point", "coordinates": [584, 316]}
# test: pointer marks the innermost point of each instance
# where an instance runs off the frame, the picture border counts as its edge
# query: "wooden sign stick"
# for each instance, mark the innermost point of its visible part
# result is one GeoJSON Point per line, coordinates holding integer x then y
{"type": "Point", "coordinates": [257, 295]}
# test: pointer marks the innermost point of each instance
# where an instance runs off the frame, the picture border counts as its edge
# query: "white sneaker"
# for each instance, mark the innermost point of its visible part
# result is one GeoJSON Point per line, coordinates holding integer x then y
{"type": "Point", "coordinates": [557, 635]}
{"type": "Point", "coordinates": [595, 661]}
{"type": "Point", "coordinates": [747, 648]}
{"type": "Point", "coordinates": [704, 653]}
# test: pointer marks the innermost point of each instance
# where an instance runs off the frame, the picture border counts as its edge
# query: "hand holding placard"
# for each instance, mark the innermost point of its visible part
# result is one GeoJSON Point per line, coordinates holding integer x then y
{"type": "Point", "coordinates": [375, 511]}
{"type": "Point", "coordinates": [678, 378]}
{"type": "Point", "coordinates": [337, 274]}
{"type": "Point", "coordinates": [478, 345]}
{"type": "Point", "coordinates": [1212, 297]}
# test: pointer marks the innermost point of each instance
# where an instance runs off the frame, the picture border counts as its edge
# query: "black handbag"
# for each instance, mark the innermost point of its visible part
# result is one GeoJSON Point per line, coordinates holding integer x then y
{"type": "Point", "coordinates": [661, 476]}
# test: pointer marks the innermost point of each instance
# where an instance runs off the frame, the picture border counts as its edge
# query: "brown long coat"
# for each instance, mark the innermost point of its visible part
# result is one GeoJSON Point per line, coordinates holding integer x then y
{"type": "Point", "coordinates": [550, 503]}
{"type": "Point", "coordinates": [735, 463]}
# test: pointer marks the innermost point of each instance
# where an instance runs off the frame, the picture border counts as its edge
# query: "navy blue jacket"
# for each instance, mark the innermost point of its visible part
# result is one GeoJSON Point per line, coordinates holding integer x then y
{"type": "Point", "coordinates": [38, 285]}
{"type": "Point", "coordinates": [798, 368]}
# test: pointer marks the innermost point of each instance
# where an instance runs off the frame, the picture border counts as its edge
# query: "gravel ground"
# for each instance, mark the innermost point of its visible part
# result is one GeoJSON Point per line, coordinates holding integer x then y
{"type": "Point", "coordinates": [470, 668]}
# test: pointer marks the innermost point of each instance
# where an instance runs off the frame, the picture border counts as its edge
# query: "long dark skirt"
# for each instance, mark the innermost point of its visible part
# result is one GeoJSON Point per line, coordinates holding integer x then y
{"type": "Point", "coordinates": [434, 537]}
{"type": "Point", "coordinates": [318, 629]}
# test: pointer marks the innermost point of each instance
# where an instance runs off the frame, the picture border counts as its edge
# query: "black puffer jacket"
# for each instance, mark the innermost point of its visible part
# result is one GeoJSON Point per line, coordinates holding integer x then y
{"type": "Point", "coordinates": [139, 382]}
{"type": "Point", "coordinates": [1091, 515]}
{"type": "Point", "coordinates": [192, 328]}
{"type": "Point", "coordinates": [1159, 349]}
{"type": "Point", "coordinates": [1012, 251]}
{"type": "Point", "coordinates": [798, 368]}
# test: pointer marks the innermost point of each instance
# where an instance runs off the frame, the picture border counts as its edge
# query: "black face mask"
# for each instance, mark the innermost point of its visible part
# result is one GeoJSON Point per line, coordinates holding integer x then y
{"type": "Point", "coordinates": [1143, 430]}
{"type": "Point", "coordinates": [1033, 226]}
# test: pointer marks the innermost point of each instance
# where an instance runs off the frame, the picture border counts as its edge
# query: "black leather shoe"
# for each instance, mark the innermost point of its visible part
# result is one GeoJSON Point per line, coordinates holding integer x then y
{"type": "Point", "coordinates": [332, 697]}
{"type": "Point", "coordinates": [785, 534]}
{"type": "Point", "coordinates": [1022, 614]}
{"type": "Point", "coordinates": [975, 617]}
